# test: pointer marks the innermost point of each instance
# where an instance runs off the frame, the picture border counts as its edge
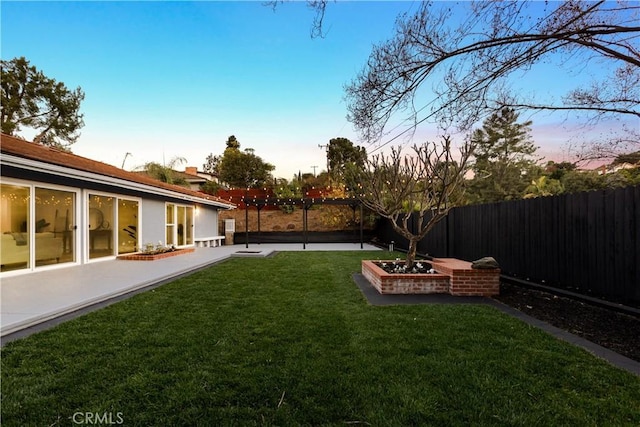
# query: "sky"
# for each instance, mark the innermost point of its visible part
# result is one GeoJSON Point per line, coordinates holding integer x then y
{"type": "Point", "coordinates": [176, 79]}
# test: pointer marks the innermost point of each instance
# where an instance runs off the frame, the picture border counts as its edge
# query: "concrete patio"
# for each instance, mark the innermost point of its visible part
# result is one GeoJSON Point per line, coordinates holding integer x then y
{"type": "Point", "coordinates": [36, 298]}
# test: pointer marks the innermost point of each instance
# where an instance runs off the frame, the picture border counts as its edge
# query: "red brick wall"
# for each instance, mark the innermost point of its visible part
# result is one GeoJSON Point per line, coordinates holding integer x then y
{"type": "Point", "coordinates": [387, 283]}
{"type": "Point", "coordinates": [466, 281]}
{"type": "Point", "coordinates": [456, 278]}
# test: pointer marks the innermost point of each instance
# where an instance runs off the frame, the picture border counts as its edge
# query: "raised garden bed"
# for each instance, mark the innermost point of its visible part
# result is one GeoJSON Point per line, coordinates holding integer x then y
{"type": "Point", "coordinates": [452, 276]}
{"type": "Point", "coordinates": [140, 256]}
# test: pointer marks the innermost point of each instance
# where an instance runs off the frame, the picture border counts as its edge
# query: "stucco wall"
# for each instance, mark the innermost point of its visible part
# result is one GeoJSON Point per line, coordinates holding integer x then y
{"type": "Point", "coordinates": [206, 221]}
{"type": "Point", "coordinates": [153, 222]}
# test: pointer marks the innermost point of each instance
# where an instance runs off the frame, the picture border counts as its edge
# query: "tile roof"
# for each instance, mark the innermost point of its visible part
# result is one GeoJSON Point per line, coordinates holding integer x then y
{"type": "Point", "coordinates": [29, 150]}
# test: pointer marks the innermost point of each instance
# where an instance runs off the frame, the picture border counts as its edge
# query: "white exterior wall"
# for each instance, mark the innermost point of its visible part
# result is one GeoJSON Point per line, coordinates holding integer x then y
{"type": "Point", "coordinates": [153, 227]}
{"type": "Point", "coordinates": [206, 222]}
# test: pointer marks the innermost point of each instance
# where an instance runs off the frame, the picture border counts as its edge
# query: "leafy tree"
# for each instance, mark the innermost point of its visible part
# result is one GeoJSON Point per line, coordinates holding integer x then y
{"type": "Point", "coordinates": [632, 158]}
{"type": "Point", "coordinates": [426, 182]}
{"type": "Point", "coordinates": [166, 173]}
{"type": "Point", "coordinates": [621, 178]}
{"type": "Point", "coordinates": [542, 187]}
{"type": "Point", "coordinates": [558, 170]}
{"type": "Point", "coordinates": [307, 181]}
{"type": "Point", "coordinates": [233, 143]}
{"type": "Point", "coordinates": [32, 100]}
{"type": "Point", "coordinates": [213, 162]}
{"type": "Point", "coordinates": [468, 60]}
{"type": "Point", "coordinates": [340, 153]}
{"type": "Point", "coordinates": [503, 164]}
{"type": "Point", "coordinates": [576, 181]}
{"type": "Point", "coordinates": [239, 168]}
{"type": "Point", "coordinates": [630, 176]}
{"type": "Point", "coordinates": [210, 187]}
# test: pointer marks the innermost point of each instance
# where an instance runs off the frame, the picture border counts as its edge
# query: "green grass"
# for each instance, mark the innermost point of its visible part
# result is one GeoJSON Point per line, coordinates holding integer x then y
{"type": "Point", "coordinates": [290, 340]}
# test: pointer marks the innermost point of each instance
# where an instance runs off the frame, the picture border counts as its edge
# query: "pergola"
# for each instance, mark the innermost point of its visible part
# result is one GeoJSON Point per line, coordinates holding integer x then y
{"type": "Point", "coordinates": [306, 203]}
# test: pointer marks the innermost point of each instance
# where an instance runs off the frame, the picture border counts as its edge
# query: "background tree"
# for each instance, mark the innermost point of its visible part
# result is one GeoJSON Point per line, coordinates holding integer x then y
{"type": "Point", "coordinates": [32, 100]}
{"type": "Point", "coordinates": [237, 168]}
{"type": "Point", "coordinates": [558, 170]}
{"type": "Point", "coordinates": [340, 153]}
{"type": "Point", "coordinates": [308, 181]}
{"type": "Point", "coordinates": [631, 158]}
{"type": "Point", "coordinates": [426, 182]}
{"type": "Point", "coordinates": [166, 173]}
{"type": "Point", "coordinates": [503, 162]}
{"type": "Point", "coordinates": [542, 187]}
{"type": "Point", "coordinates": [470, 60]}
{"type": "Point", "coordinates": [212, 163]}
{"type": "Point", "coordinates": [210, 187]}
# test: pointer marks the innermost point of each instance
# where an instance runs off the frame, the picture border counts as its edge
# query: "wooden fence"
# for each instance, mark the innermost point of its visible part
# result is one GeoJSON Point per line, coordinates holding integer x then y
{"type": "Point", "coordinates": [585, 242]}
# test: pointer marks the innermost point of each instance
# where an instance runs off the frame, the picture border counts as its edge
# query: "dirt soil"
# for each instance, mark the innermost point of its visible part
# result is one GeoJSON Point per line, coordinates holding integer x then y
{"type": "Point", "coordinates": [610, 329]}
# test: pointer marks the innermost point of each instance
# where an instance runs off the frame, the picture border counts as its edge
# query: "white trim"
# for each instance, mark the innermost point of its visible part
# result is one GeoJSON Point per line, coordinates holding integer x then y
{"type": "Point", "coordinates": [39, 166]}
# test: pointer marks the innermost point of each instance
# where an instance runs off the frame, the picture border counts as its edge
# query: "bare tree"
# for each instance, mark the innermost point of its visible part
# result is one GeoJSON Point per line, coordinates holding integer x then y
{"type": "Point", "coordinates": [469, 63]}
{"type": "Point", "coordinates": [427, 183]}
{"type": "Point", "coordinates": [319, 6]}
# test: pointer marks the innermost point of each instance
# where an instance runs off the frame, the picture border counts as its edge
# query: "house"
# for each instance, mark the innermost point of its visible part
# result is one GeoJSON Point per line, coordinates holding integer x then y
{"type": "Point", "coordinates": [191, 177]}
{"type": "Point", "coordinates": [616, 167]}
{"type": "Point", "coordinates": [196, 178]}
{"type": "Point", "coordinates": [59, 209]}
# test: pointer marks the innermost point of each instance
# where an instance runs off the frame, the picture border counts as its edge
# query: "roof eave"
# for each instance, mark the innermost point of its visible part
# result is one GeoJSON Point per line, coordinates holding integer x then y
{"type": "Point", "coordinates": [7, 159]}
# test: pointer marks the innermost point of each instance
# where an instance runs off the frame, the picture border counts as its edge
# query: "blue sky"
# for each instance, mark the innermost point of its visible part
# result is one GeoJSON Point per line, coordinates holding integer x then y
{"type": "Point", "coordinates": [166, 79]}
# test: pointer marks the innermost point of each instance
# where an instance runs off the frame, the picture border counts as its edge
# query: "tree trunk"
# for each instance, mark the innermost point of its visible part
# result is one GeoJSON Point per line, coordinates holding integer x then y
{"type": "Point", "coordinates": [411, 253]}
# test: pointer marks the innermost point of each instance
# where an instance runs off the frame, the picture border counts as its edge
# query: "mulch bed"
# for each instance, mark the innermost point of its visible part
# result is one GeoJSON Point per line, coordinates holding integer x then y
{"type": "Point", "coordinates": [616, 331]}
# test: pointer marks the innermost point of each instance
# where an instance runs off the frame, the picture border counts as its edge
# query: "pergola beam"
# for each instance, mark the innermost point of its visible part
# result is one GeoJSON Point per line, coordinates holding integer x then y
{"type": "Point", "coordinates": [306, 203]}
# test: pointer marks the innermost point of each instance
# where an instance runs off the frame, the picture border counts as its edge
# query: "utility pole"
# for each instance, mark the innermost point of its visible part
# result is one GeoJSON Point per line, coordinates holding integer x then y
{"type": "Point", "coordinates": [314, 170]}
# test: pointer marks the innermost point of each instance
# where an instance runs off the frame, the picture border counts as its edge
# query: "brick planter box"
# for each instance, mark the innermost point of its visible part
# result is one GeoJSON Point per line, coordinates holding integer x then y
{"type": "Point", "coordinates": [139, 256]}
{"type": "Point", "coordinates": [389, 283]}
{"type": "Point", "coordinates": [453, 277]}
{"type": "Point", "coordinates": [467, 281]}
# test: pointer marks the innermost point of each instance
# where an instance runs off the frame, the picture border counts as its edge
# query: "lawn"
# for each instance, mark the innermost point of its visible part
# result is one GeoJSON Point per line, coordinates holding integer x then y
{"type": "Point", "coordinates": [289, 340]}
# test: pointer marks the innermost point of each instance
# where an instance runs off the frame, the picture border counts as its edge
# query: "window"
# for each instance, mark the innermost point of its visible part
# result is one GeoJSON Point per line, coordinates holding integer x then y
{"type": "Point", "coordinates": [170, 220]}
{"type": "Point", "coordinates": [179, 225]}
{"type": "Point", "coordinates": [15, 252]}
